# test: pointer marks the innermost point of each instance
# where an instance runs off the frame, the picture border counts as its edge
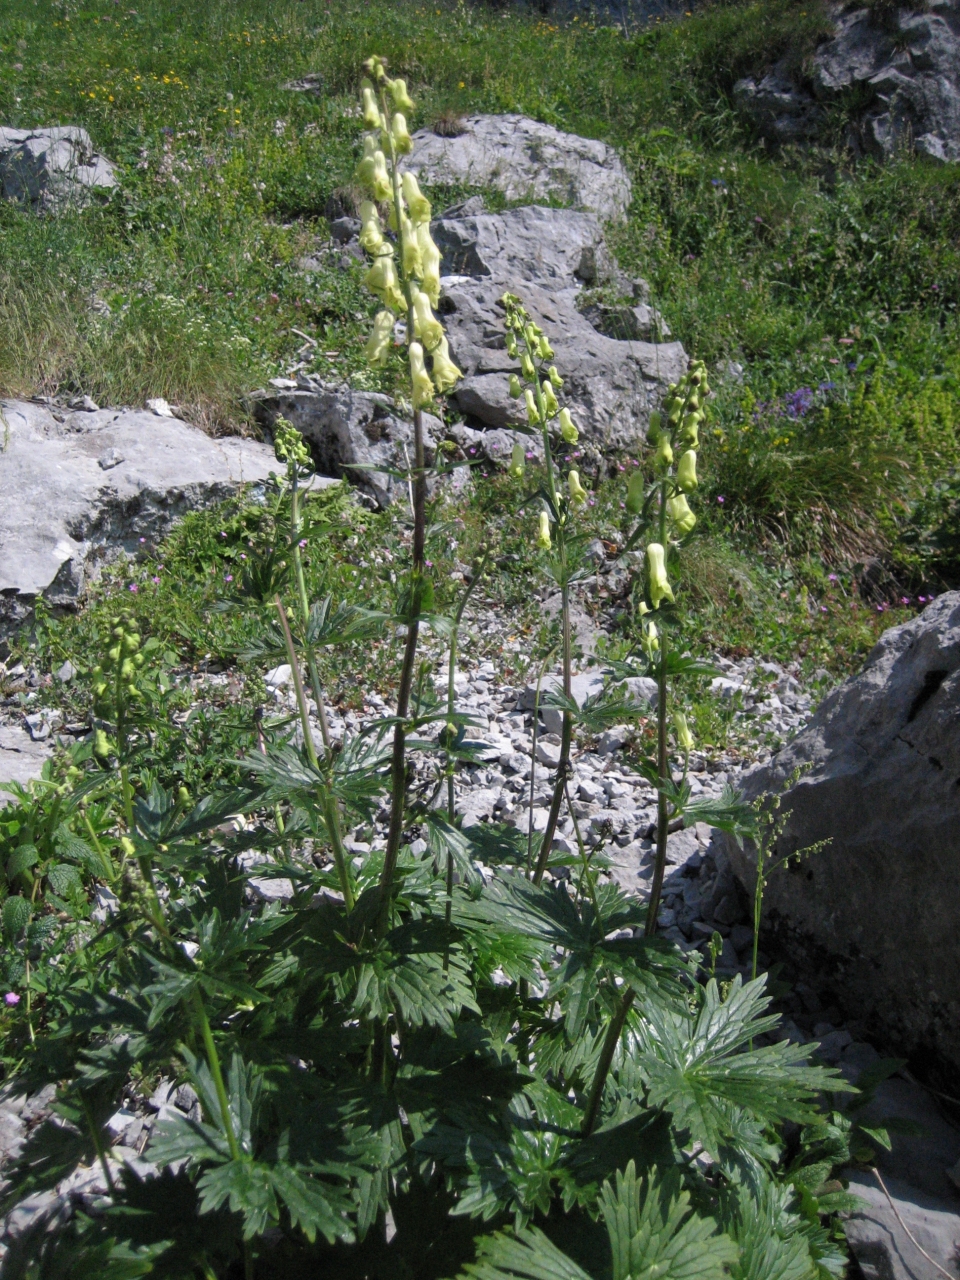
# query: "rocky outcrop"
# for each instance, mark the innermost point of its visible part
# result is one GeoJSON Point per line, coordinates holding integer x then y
{"type": "Point", "coordinates": [879, 1233]}
{"type": "Point", "coordinates": [546, 256]}
{"type": "Point", "coordinates": [872, 916]}
{"type": "Point", "coordinates": [351, 433]}
{"type": "Point", "coordinates": [527, 161]}
{"type": "Point", "coordinates": [77, 489]}
{"type": "Point", "coordinates": [51, 168]}
{"type": "Point", "coordinates": [905, 76]}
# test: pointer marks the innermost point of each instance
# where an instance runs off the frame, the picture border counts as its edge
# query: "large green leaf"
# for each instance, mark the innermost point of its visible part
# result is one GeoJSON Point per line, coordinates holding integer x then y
{"type": "Point", "coordinates": [654, 1236]}
{"type": "Point", "coordinates": [696, 1063]}
{"type": "Point", "coordinates": [528, 1255]}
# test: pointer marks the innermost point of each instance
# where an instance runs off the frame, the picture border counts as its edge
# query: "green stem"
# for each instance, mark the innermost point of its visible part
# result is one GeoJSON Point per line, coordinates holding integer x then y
{"type": "Point", "coordinates": [663, 760]}
{"type": "Point", "coordinates": [305, 607]}
{"type": "Point", "coordinates": [328, 803]}
{"type": "Point", "coordinates": [533, 760]}
{"type": "Point", "coordinates": [97, 1139]}
{"type": "Point", "coordinates": [566, 738]}
{"type": "Point", "coordinates": [213, 1062]}
{"type": "Point", "coordinates": [610, 1042]}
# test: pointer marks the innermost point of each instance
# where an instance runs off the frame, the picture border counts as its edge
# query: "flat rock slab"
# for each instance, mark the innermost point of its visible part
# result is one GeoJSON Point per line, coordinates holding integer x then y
{"type": "Point", "coordinates": [53, 167]}
{"type": "Point", "coordinates": [21, 759]}
{"type": "Point", "coordinates": [546, 256]}
{"type": "Point", "coordinates": [527, 161]}
{"type": "Point", "coordinates": [77, 489]}
{"type": "Point", "coordinates": [872, 916]}
{"type": "Point", "coordinates": [879, 1241]}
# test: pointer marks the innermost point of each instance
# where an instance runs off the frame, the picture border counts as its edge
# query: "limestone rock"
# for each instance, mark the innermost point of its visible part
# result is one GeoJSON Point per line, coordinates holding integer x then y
{"type": "Point", "coordinates": [62, 513]}
{"type": "Point", "coordinates": [907, 78]}
{"type": "Point", "coordinates": [21, 758]}
{"type": "Point", "coordinates": [879, 1242]}
{"type": "Point", "coordinates": [52, 167]}
{"type": "Point", "coordinates": [525, 160]}
{"type": "Point", "coordinates": [872, 915]}
{"type": "Point", "coordinates": [351, 432]}
{"type": "Point", "coordinates": [542, 254]}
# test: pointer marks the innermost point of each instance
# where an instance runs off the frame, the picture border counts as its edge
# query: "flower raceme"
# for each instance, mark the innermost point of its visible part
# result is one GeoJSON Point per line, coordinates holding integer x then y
{"type": "Point", "coordinates": [407, 282]}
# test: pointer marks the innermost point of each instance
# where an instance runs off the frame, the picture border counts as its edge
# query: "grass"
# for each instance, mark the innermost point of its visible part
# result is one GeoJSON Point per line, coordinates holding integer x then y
{"type": "Point", "coordinates": [836, 288]}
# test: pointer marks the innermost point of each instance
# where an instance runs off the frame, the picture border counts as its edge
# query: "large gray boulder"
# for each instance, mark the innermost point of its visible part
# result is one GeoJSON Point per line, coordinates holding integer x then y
{"type": "Point", "coordinates": [546, 256]}
{"type": "Point", "coordinates": [906, 76]}
{"type": "Point", "coordinates": [52, 167]}
{"type": "Point", "coordinates": [351, 433]}
{"type": "Point", "coordinates": [879, 1233]}
{"type": "Point", "coordinates": [873, 917]}
{"type": "Point", "coordinates": [80, 488]}
{"type": "Point", "coordinates": [527, 161]}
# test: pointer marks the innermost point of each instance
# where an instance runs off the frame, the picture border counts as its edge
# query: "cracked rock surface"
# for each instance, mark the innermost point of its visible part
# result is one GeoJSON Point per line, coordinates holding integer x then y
{"type": "Point", "coordinates": [874, 912]}
{"type": "Point", "coordinates": [526, 160]}
{"type": "Point", "coordinates": [79, 488]}
{"type": "Point", "coordinates": [53, 167]}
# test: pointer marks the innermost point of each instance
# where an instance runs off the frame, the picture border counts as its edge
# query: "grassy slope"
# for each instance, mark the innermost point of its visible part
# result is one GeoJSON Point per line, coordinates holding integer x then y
{"type": "Point", "coordinates": [837, 290]}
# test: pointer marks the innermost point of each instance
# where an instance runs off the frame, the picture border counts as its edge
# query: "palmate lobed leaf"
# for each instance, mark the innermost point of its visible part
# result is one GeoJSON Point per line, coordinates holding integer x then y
{"type": "Point", "coordinates": [528, 1255]}
{"type": "Point", "coordinates": [694, 1068]}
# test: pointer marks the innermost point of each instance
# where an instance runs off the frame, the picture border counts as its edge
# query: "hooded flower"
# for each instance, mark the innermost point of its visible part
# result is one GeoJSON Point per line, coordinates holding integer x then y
{"type": "Point", "coordinates": [578, 495]}
{"type": "Point", "coordinates": [568, 432]}
{"type": "Point", "coordinates": [518, 462]}
{"type": "Point", "coordinates": [382, 189]}
{"type": "Point", "coordinates": [422, 386]}
{"type": "Point", "coordinates": [544, 348]}
{"type": "Point", "coordinates": [689, 434]}
{"type": "Point", "coordinates": [516, 389]}
{"type": "Point", "coordinates": [417, 202]}
{"type": "Point", "coordinates": [526, 367]}
{"type": "Point", "coordinates": [401, 135]}
{"type": "Point", "coordinates": [549, 399]}
{"type": "Point", "coordinates": [446, 375]}
{"type": "Point", "coordinates": [428, 328]}
{"type": "Point", "coordinates": [371, 112]}
{"type": "Point", "coordinates": [365, 167]}
{"type": "Point", "coordinates": [687, 471]}
{"type": "Point", "coordinates": [412, 261]}
{"type": "Point", "coordinates": [398, 92]}
{"type": "Point", "coordinates": [554, 375]}
{"type": "Point", "coordinates": [543, 533]}
{"type": "Point", "coordinates": [533, 413]}
{"type": "Point", "coordinates": [378, 344]}
{"type": "Point", "coordinates": [371, 237]}
{"type": "Point", "coordinates": [650, 641]}
{"type": "Point", "coordinates": [660, 588]}
{"type": "Point", "coordinates": [430, 257]}
{"type": "Point", "coordinates": [382, 280]}
{"type": "Point", "coordinates": [680, 513]}
{"type": "Point", "coordinates": [684, 736]}
{"type": "Point", "coordinates": [664, 454]}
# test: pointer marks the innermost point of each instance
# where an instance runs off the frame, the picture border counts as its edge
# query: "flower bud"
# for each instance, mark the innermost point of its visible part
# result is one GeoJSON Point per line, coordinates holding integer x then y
{"type": "Point", "coordinates": [365, 169]}
{"type": "Point", "coordinates": [531, 333]}
{"type": "Point", "coordinates": [568, 432]}
{"type": "Point", "coordinates": [660, 588]}
{"type": "Point", "coordinates": [680, 513]}
{"type": "Point", "coordinates": [430, 257]}
{"type": "Point", "coordinates": [687, 471]}
{"type": "Point", "coordinates": [371, 237]}
{"type": "Point", "coordinates": [526, 368]}
{"type": "Point", "coordinates": [516, 389]}
{"type": "Point", "coordinates": [650, 641]}
{"type": "Point", "coordinates": [543, 533]}
{"type": "Point", "coordinates": [113, 653]}
{"type": "Point", "coordinates": [422, 386]}
{"type": "Point", "coordinates": [398, 92]}
{"type": "Point", "coordinates": [518, 462]}
{"type": "Point", "coordinates": [578, 495]}
{"type": "Point", "coordinates": [549, 399]}
{"type": "Point", "coordinates": [127, 669]}
{"type": "Point", "coordinates": [533, 413]}
{"type": "Point", "coordinates": [446, 375]}
{"type": "Point", "coordinates": [544, 348]}
{"type": "Point", "coordinates": [418, 203]}
{"type": "Point", "coordinates": [101, 744]}
{"type": "Point", "coordinates": [183, 795]}
{"type": "Point", "coordinates": [128, 848]}
{"type": "Point", "coordinates": [426, 325]}
{"type": "Point", "coordinates": [664, 454]}
{"type": "Point", "coordinates": [382, 190]}
{"type": "Point", "coordinates": [554, 377]}
{"type": "Point", "coordinates": [634, 502]}
{"type": "Point", "coordinates": [653, 429]}
{"type": "Point", "coordinates": [684, 736]}
{"type": "Point", "coordinates": [401, 135]}
{"type": "Point", "coordinates": [371, 111]}
{"type": "Point", "coordinates": [511, 344]}
{"type": "Point", "coordinates": [378, 344]}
